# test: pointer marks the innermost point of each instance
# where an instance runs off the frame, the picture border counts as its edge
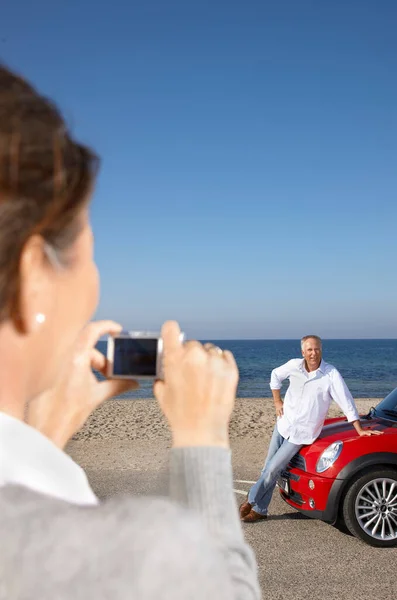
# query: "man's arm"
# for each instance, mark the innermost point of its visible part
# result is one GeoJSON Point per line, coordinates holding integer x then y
{"type": "Point", "coordinates": [342, 396]}
{"type": "Point", "coordinates": [279, 375]}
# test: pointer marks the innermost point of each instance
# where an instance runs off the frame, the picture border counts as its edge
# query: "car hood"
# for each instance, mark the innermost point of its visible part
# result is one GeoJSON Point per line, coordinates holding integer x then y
{"type": "Point", "coordinates": [340, 430]}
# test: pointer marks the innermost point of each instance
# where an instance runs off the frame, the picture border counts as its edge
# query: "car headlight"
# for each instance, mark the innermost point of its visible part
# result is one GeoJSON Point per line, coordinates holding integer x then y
{"type": "Point", "coordinates": [329, 456]}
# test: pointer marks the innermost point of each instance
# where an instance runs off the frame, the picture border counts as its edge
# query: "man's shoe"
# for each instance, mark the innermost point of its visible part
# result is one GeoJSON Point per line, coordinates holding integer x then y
{"type": "Point", "coordinates": [245, 508]}
{"type": "Point", "coordinates": [253, 516]}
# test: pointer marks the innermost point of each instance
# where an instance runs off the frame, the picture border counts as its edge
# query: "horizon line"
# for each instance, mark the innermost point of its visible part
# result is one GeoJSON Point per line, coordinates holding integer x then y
{"type": "Point", "coordinates": [235, 339]}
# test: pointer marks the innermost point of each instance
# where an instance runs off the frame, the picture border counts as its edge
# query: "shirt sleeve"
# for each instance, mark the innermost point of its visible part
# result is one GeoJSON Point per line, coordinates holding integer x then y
{"type": "Point", "coordinates": [342, 396]}
{"type": "Point", "coordinates": [280, 374]}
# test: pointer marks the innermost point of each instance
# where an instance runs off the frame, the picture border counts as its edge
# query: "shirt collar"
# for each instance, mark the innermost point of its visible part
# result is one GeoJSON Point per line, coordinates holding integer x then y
{"type": "Point", "coordinates": [30, 459]}
{"type": "Point", "coordinates": [322, 366]}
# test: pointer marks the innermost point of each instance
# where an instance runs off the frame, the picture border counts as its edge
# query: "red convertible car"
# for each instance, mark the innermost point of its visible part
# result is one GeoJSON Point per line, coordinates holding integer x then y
{"type": "Point", "coordinates": [349, 479]}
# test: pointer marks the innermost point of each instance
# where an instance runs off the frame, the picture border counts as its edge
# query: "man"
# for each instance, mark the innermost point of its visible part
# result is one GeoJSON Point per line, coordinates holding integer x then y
{"type": "Point", "coordinates": [313, 384]}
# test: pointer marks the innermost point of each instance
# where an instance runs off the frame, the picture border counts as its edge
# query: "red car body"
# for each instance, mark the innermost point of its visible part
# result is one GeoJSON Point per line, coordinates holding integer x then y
{"type": "Point", "coordinates": [323, 495]}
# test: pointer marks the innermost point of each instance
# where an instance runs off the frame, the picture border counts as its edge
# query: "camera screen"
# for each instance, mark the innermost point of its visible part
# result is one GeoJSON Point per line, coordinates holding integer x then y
{"type": "Point", "coordinates": [135, 357]}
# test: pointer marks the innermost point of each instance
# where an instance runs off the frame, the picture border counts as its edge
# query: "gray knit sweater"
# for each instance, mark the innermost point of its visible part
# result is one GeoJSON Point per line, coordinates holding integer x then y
{"type": "Point", "coordinates": [188, 547]}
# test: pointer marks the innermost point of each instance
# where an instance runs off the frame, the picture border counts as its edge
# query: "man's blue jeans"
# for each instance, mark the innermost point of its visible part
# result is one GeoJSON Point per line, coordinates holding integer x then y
{"type": "Point", "coordinates": [279, 454]}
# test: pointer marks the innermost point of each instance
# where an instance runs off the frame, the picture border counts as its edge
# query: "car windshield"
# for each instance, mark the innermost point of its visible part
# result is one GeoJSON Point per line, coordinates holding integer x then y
{"type": "Point", "coordinates": [388, 406]}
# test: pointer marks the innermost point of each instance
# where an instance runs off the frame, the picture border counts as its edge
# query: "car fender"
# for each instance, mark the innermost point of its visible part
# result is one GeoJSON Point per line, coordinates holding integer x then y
{"type": "Point", "coordinates": [367, 460]}
{"type": "Point", "coordinates": [348, 473]}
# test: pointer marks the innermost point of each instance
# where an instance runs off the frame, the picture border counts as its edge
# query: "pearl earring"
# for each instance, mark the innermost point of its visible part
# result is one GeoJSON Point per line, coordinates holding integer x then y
{"type": "Point", "coordinates": [40, 318]}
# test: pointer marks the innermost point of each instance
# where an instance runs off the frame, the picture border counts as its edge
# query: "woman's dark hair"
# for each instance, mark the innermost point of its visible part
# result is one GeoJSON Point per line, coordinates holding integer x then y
{"type": "Point", "coordinates": [45, 180]}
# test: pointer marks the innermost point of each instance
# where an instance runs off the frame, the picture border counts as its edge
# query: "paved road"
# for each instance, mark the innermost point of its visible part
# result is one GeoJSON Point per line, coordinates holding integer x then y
{"type": "Point", "coordinates": [303, 559]}
{"type": "Point", "coordinates": [298, 558]}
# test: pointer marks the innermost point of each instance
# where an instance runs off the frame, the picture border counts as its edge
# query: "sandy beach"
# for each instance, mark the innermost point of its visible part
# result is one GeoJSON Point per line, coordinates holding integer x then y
{"type": "Point", "coordinates": [133, 436]}
{"type": "Point", "coordinates": [139, 420]}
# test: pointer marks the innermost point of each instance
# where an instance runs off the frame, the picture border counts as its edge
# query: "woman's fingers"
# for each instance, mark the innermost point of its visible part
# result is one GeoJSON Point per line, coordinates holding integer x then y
{"type": "Point", "coordinates": [114, 387]}
{"type": "Point", "coordinates": [171, 333]}
{"type": "Point", "coordinates": [229, 358]}
{"type": "Point", "coordinates": [95, 330]}
{"type": "Point", "coordinates": [158, 390]}
{"type": "Point", "coordinates": [98, 361]}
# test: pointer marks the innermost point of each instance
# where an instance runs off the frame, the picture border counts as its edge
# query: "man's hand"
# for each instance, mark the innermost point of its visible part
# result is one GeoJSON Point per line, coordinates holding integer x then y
{"type": "Point", "coordinates": [367, 432]}
{"type": "Point", "coordinates": [278, 405]}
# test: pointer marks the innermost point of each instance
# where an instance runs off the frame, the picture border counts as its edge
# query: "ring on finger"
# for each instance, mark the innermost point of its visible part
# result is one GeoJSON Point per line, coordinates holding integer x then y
{"type": "Point", "coordinates": [211, 347]}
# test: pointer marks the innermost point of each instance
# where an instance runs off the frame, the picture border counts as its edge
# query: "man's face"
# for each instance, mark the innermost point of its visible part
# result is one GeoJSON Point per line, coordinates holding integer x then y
{"type": "Point", "coordinates": [312, 353]}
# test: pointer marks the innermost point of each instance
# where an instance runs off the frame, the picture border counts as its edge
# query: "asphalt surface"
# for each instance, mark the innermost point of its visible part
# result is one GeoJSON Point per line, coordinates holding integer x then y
{"type": "Point", "coordinates": [298, 558]}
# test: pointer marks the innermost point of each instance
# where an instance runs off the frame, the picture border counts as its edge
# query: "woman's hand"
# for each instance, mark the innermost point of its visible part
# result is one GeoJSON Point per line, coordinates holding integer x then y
{"type": "Point", "coordinates": [198, 392]}
{"type": "Point", "coordinates": [62, 410]}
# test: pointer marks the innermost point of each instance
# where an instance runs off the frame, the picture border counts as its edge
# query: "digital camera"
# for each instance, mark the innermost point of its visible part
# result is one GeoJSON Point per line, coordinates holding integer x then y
{"type": "Point", "coordinates": [135, 355]}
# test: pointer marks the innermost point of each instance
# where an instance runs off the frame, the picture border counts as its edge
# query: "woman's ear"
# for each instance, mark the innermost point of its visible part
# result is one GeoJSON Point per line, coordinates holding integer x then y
{"type": "Point", "coordinates": [37, 289]}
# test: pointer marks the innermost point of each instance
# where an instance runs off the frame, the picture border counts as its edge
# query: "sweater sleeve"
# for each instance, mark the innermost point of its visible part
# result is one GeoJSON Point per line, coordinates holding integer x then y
{"type": "Point", "coordinates": [201, 479]}
{"type": "Point", "coordinates": [124, 549]}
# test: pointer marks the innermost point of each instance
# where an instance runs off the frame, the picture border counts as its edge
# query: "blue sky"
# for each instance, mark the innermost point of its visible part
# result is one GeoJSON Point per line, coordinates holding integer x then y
{"type": "Point", "coordinates": [248, 183]}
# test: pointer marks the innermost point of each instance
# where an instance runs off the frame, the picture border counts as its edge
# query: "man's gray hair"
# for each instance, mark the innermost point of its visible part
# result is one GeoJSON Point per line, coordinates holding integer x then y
{"type": "Point", "coordinates": [311, 337]}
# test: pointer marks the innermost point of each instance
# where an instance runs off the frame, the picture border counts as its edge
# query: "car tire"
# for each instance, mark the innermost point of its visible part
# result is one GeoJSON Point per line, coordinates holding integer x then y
{"type": "Point", "coordinates": [363, 507]}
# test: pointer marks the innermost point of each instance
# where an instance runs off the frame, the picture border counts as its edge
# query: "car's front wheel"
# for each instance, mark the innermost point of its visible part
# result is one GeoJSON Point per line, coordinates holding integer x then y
{"type": "Point", "coordinates": [370, 507]}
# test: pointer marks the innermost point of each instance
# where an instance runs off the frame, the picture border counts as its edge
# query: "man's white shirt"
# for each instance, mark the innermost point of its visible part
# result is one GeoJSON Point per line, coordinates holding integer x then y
{"type": "Point", "coordinates": [308, 399]}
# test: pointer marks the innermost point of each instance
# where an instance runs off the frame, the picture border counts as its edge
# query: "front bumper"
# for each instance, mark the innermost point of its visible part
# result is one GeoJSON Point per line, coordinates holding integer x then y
{"type": "Point", "coordinates": [312, 495]}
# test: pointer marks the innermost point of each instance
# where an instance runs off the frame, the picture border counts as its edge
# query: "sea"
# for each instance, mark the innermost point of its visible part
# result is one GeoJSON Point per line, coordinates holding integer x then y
{"type": "Point", "coordinates": [369, 367]}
